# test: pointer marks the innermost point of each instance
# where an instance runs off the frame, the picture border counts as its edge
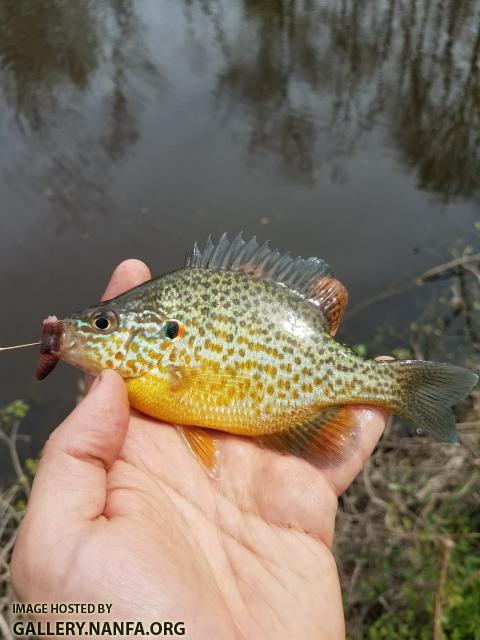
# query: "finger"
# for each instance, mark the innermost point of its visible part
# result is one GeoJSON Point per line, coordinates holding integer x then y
{"type": "Point", "coordinates": [70, 484]}
{"type": "Point", "coordinates": [129, 273]}
{"type": "Point", "coordinates": [371, 423]}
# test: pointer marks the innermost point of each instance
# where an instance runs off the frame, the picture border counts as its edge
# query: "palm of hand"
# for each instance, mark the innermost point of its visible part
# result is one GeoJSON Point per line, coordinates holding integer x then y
{"type": "Point", "coordinates": [244, 555]}
{"type": "Point", "coordinates": [223, 555]}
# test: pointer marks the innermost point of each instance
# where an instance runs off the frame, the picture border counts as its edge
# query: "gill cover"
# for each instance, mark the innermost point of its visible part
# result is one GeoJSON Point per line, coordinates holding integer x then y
{"type": "Point", "coordinates": [112, 336]}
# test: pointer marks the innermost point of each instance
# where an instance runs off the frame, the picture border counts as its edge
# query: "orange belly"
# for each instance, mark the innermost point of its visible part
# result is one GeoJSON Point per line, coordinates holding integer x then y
{"type": "Point", "coordinates": [224, 400]}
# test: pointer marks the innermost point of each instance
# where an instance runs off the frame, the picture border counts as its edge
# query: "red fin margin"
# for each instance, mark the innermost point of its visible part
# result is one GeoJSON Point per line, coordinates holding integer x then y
{"type": "Point", "coordinates": [331, 297]}
{"type": "Point", "coordinates": [324, 439]}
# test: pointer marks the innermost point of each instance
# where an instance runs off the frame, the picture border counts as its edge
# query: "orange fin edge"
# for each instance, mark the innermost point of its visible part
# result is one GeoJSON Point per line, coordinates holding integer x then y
{"type": "Point", "coordinates": [324, 439]}
{"type": "Point", "coordinates": [203, 447]}
{"type": "Point", "coordinates": [331, 297]}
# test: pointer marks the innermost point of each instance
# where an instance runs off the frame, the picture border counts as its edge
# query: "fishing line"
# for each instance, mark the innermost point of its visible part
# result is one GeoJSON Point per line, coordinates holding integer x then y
{"type": "Point", "coordinates": [20, 346]}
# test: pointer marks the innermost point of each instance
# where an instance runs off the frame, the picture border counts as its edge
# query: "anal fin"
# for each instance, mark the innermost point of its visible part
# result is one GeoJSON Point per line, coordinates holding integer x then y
{"type": "Point", "coordinates": [324, 439]}
{"type": "Point", "coordinates": [203, 447]}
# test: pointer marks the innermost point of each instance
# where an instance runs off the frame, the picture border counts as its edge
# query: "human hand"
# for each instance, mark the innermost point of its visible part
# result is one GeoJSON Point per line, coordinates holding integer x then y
{"type": "Point", "coordinates": [121, 512]}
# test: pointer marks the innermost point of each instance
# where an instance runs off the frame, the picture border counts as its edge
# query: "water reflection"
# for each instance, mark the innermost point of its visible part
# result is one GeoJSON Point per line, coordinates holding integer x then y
{"type": "Point", "coordinates": [66, 73]}
{"type": "Point", "coordinates": [313, 77]}
{"type": "Point", "coordinates": [277, 52]}
{"type": "Point", "coordinates": [45, 46]}
{"type": "Point", "coordinates": [436, 122]}
{"type": "Point", "coordinates": [309, 79]}
{"type": "Point", "coordinates": [128, 56]}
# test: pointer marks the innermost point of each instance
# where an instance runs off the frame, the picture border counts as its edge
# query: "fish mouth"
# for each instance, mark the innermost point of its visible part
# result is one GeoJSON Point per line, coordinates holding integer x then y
{"type": "Point", "coordinates": [50, 346]}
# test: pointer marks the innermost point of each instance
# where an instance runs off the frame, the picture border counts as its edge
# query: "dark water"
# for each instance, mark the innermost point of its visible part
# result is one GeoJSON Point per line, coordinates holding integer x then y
{"type": "Point", "coordinates": [344, 129]}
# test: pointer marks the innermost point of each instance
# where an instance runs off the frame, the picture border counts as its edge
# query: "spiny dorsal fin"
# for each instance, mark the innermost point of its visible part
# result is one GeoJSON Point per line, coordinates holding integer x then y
{"type": "Point", "coordinates": [311, 278]}
{"type": "Point", "coordinates": [325, 439]}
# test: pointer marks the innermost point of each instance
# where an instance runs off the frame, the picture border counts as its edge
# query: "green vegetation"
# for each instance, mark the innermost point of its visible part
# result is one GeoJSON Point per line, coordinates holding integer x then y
{"type": "Point", "coordinates": [13, 499]}
{"type": "Point", "coordinates": [408, 537]}
{"type": "Point", "coordinates": [408, 541]}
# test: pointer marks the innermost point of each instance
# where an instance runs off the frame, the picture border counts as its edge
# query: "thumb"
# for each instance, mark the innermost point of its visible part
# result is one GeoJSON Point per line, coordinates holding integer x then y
{"type": "Point", "coordinates": [71, 482]}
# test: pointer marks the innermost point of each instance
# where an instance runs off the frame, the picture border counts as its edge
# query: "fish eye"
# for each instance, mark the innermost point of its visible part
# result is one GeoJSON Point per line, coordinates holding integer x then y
{"type": "Point", "coordinates": [104, 320]}
{"type": "Point", "coordinates": [174, 329]}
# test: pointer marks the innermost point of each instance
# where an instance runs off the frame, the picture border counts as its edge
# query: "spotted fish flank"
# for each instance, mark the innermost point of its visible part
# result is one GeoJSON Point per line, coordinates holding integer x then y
{"type": "Point", "coordinates": [241, 340]}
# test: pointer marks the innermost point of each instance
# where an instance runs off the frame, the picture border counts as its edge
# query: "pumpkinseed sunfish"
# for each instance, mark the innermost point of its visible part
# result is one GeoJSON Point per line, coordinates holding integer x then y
{"type": "Point", "coordinates": [241, 340]}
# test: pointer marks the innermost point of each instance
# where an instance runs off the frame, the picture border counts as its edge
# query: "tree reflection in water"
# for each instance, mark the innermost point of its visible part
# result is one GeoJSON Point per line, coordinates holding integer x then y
{"type": "Point", "coordinates": [52, 53]}
{"type": "Point", "coordinates": [314, 76]}
{"type": "Point", "coordinates": [45, 45]}
{"type": "Point", "coordinates": [305, 80]}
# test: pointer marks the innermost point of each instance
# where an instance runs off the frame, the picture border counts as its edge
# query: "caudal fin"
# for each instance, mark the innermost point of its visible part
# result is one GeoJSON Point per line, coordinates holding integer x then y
{"type": "Point", "coordinates": [427, 391]}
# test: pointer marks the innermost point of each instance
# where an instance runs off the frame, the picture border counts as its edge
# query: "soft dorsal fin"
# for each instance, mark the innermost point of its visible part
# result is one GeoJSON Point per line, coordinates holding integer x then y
{"type": "Point", "coordinates": [311, 278]}
{"type": "Point", "coordinates": [330, 295]}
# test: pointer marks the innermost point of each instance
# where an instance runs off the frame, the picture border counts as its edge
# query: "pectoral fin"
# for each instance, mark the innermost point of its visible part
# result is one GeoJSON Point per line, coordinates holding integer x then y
{"type": "Point", "coordinates": [203, 446]}
{"type": "Point", "coordinates": [323, 439]}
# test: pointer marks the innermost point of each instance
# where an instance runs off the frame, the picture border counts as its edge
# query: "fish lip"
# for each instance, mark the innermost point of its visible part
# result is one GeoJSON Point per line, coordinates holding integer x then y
{"type": "Point", "coordinates": [52, 331]}
{"type": "Point", "coordinates": [55, 339]}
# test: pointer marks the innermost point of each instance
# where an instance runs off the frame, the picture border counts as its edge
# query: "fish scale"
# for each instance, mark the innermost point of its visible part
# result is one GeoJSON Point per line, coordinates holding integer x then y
{"type": "Point", "coordinates": [241, 340]}
{"type": "Point", "coordinates": [249, 343]}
